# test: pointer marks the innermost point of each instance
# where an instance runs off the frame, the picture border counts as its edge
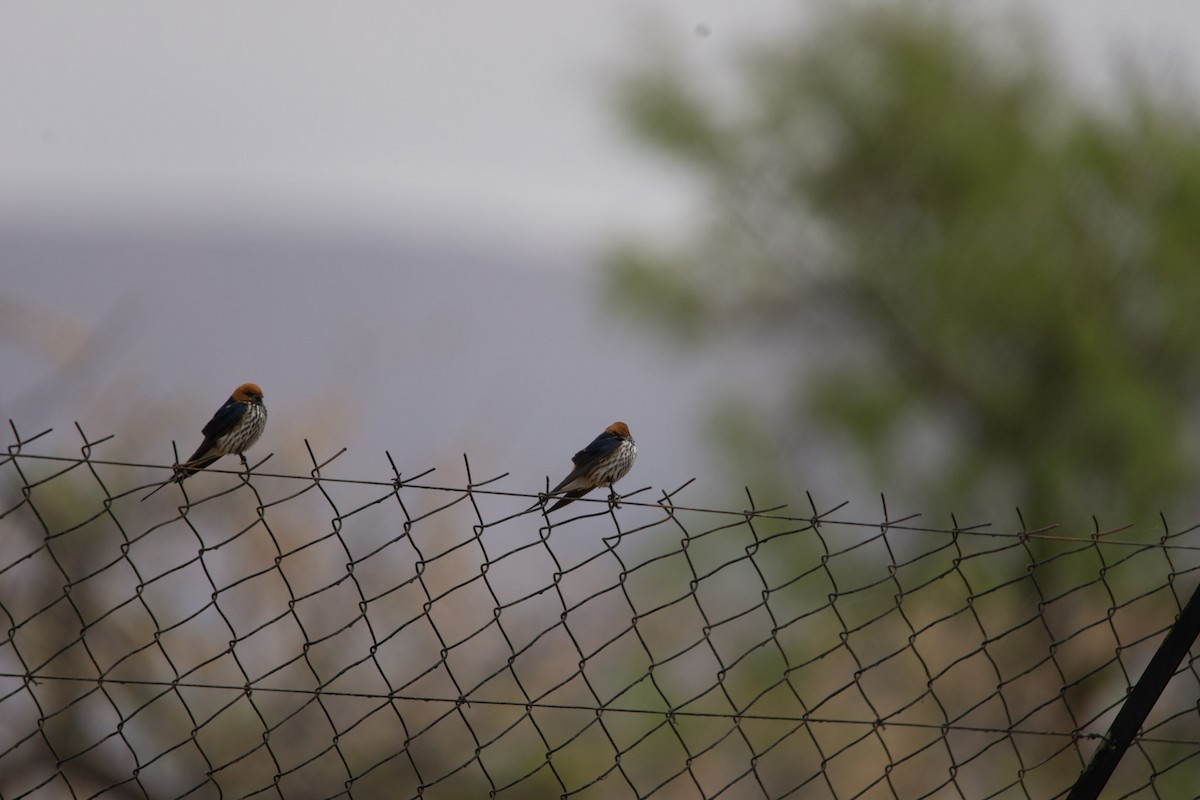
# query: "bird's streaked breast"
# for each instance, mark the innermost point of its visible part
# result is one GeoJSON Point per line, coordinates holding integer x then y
{"type": "Point", "coordinates": [246, 432]}
{"type": "Point", "coordinates": [615, 467]}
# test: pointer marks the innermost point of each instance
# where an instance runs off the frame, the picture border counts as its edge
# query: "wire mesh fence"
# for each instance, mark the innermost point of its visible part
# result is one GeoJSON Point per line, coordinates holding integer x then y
{"type": "Point", "coordinates": [248, 634]}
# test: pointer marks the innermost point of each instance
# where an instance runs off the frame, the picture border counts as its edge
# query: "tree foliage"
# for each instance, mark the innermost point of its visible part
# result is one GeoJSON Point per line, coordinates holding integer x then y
{"type": "Point", "coordinates": [981, 281]}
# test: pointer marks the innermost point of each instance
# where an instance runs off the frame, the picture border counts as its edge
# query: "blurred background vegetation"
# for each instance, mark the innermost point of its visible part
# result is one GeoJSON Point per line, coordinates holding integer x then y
{"type": "Point", "coordinates": [979, 281]}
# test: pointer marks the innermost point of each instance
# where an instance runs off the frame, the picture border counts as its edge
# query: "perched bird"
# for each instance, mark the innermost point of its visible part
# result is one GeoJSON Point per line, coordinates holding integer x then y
{"type": "Point", "coordinates": [602, 463]}
{"type": "Point", "coordinates": [232, 430]}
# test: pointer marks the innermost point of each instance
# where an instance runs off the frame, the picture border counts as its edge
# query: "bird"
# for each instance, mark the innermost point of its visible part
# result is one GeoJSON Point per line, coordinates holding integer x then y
{"type": "Point", "coordinates": [235, 427]}
{"type": "Point", "coordinates": [605, 461]}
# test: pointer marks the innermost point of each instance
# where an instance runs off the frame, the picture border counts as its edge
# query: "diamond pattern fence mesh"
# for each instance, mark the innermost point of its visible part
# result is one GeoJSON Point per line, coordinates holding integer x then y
{"type": "Point", "coordinates": [252, 634]}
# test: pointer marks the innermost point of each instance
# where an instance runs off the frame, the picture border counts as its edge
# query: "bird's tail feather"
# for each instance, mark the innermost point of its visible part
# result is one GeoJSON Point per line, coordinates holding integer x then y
{"type": "Point", "coordinates": [574, 494]}
{"type": "Point", "coordinates": [185, 470]}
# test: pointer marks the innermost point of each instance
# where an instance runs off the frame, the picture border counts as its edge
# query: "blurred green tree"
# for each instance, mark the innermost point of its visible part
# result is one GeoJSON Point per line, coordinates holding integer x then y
{"type": "Point", "coordinates": [981, 281]}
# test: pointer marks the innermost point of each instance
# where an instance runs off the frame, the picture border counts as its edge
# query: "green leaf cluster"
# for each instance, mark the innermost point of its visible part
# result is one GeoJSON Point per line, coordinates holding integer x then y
{"type": "Point", "coordinates": [946, 243]}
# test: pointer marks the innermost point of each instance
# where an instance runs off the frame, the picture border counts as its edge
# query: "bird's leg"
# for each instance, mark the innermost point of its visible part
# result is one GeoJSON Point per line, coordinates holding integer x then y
{"type": "Point", "coordinates": [245, 463]}
{"type": "Point", "coordinates": [614, 499]}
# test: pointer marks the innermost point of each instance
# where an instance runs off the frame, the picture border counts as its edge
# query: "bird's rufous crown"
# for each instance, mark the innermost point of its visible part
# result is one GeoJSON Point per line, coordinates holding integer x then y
{"type": "Point", "coordinates": [619, 428]}
{"type": "Point", "coordinates": [247, 392]}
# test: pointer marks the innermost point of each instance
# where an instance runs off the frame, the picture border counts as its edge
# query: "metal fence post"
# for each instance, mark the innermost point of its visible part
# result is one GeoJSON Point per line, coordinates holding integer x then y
{"type": "Point", "coordinates": [1137, 706]}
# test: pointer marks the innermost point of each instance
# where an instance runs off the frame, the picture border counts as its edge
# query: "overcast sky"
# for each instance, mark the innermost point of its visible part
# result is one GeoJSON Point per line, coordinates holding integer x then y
{"type": "Point", "coordinates": [388, 208]}
{"type": "Point", "coordinates": [381, 114]}
{"type": "Point", "coordinates": [370, 113]}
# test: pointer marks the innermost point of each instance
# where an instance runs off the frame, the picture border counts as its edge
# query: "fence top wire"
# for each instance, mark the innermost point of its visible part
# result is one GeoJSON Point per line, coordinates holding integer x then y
{"type": "Point", "coordinates": [346, 636]}
{"type": "Point", "coordinates": [1169, 539]}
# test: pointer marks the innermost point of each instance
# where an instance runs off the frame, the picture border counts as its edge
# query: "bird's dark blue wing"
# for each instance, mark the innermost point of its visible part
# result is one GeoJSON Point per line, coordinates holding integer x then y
{"type": "Point", "coordinates": [225, 418]}
{"type": "Point", "coordinates": [601, 446]}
